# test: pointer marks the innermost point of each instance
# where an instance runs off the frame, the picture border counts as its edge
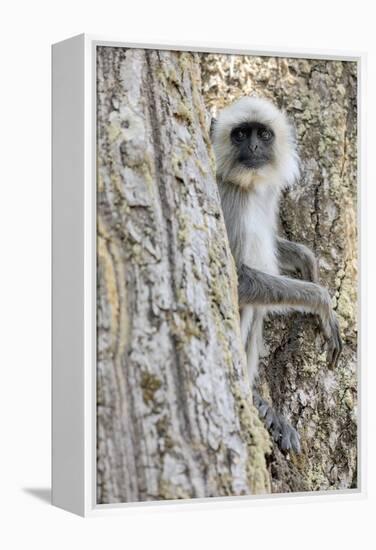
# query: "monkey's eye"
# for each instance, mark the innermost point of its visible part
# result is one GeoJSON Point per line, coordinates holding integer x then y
{"type": "Point", "coordinates": [240, 135]}
{"type": "Point", "coordinates": [266, 135]}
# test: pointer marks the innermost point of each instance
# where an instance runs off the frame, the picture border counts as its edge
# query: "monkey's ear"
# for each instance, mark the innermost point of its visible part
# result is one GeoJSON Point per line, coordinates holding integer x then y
{"type": "Point", "coordinates": [212, 126]}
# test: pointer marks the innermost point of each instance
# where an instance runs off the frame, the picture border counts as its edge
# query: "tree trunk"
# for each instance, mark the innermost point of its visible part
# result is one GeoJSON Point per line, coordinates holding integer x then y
{"type": "Point", "coordinates": [319, 211]}
{"type": "Point", "coordinates": [174, 418]}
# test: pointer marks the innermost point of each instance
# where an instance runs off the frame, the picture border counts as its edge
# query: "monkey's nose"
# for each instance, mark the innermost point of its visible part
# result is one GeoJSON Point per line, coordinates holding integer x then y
{"type": "Point", "coordinates": [253, 147]}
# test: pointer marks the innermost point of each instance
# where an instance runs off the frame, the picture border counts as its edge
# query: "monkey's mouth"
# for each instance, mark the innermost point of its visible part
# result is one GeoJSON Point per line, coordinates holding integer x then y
{"type": "Point", "coordinates": [253, 162]}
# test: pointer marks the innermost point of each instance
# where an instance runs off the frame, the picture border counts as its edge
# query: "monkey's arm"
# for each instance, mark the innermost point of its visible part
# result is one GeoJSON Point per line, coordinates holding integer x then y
{"type": "Point", "coordinates": [295, 257]}
{"type": "Point", "coordinates": [258, 288]}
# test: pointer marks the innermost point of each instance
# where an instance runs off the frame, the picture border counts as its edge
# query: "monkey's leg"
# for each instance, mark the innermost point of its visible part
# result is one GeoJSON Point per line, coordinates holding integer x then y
{"type": "Point", "coordinates": [295, 257]}
{"type": "Point", "coordinates": [261, 289]}
{"type": "Point", "coordinates": [262, 350]}
{"type": "Point", "coordinates": [246, 321]}
{"type": "Point", "coordinates": [281, 430]}
{"type": "Point", "coordinates": [252, 347]}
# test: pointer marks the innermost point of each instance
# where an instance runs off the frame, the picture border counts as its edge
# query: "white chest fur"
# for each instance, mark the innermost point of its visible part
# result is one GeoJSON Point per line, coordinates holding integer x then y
{"type": "Point", "coordinates": [259, 229]}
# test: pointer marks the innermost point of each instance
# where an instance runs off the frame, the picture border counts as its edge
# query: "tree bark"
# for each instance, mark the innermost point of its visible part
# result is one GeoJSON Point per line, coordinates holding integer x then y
{"type": "Point", "coordinates": [319, 211]}
{"type": "Point", "coordinates": [174, 417]}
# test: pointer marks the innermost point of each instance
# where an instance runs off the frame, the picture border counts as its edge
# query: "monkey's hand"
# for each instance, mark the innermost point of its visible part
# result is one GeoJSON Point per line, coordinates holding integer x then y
{"type": "Point", "coordinates": [296, 257]}
{"type": "Point", "coordinates": [272, 291]}
{"type": "Point", "coordinates": [331, 331]}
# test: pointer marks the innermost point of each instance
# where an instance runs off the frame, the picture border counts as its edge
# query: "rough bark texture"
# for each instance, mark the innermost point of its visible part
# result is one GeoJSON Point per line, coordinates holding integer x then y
{"type": "Point", "coordinates": [174, 418]}
{"type": "Point", "coordinates": [320, 211]}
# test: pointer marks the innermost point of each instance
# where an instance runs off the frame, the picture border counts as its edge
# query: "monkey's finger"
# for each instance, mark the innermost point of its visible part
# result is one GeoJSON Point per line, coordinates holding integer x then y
{"type": "Point", "coordinates": [270, 418]}
{"type": "Point", "coordinates": [295, 442]}
{"type": "Point", "coordinates": [339, 345]}
{"type": "Point", "coordinates": [338, 351]}
{"type": "Point", "coordinates": [263, 409]}
{"type": "Point", "coordinates": [332, 352]}
{"type": "Point", "coordinates": [334, 358]}
{"type": "Point", "coordinates": [290, 439]}
{"type": "Point", "coordinates": [335, 347]}
{"type": "Point", "coordinates": [276, 433]}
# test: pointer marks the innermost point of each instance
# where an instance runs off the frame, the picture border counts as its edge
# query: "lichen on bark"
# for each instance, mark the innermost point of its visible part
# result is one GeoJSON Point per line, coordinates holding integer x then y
{"type": "Point", "coordinates": [320, 211]}
{"type": "Point", "coordinates": [174, 418]}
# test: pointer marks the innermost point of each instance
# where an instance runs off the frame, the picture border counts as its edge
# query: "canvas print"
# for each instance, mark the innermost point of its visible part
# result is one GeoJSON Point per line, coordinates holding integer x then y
{"type": "Point", "coordinates": [226, 275]}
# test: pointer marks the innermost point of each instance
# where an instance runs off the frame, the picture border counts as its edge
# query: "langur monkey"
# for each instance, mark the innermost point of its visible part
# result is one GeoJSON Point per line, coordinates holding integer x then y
{"type": "Point", "coordinates": [256, 159]}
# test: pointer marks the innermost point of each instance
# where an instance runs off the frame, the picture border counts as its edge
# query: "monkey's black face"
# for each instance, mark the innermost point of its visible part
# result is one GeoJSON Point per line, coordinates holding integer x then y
{"type": "Point", "coordinates": [254, 142]}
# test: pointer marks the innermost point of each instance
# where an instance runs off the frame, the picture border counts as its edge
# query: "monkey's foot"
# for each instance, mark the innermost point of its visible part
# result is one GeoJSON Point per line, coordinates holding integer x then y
{"type": "Point", "coordinates": [282, 432]}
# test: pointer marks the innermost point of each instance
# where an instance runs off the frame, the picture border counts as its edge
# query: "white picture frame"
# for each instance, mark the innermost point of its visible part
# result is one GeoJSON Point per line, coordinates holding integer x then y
{"type": "Point", "coordinates": [74, 276]}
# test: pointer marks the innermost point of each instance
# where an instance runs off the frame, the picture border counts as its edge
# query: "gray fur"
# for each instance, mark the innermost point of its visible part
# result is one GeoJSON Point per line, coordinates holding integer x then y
{"type": "Point", "coordinates": [297, 258]}
{"type": "Point", "coordinates": [279, 292]}
{"type": "Point", "coordinates": [250, 200]}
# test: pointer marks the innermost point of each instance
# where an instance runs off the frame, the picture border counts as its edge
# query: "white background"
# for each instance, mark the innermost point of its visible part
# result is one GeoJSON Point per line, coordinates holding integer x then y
{"type": "Point", "coordinates": [27, 30]}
